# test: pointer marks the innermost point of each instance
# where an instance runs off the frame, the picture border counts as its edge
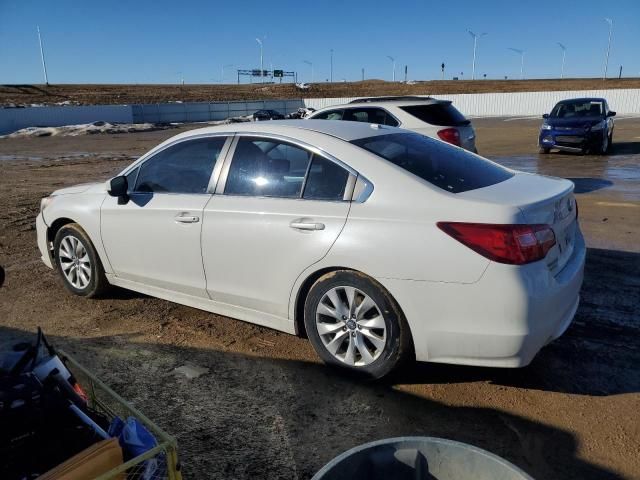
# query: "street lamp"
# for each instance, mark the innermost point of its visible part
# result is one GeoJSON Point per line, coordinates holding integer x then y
{"type": "Point", "coordinates": [261, 65]}
{"type": "Point", "coordinates": [393, 60]}
{"type": "Point", "coordinates": [331, 70]}
{"type": "Point", "coordinates": [44, 65]}
{"type": "Point", "coordinates": [521, 53]}
{"type": "Point", "coordinates": [475, 45]}
{"type": "Point", "coordinates": [606, 60]}
{"type": "Point", "coordinates": [564, 54]}
{"type": "Point", "coordinates": [311, 65]}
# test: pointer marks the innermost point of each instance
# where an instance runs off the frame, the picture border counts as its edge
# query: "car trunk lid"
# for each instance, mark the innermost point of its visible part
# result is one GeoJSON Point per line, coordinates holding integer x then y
{"type": "Point", "coordinates": [542, 200]}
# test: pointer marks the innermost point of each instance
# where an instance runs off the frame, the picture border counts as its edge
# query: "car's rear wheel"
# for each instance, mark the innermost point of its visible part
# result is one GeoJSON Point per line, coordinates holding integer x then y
{"type": "Point", "coordinates": [353, 322]}
{"type": "Point", "coordinates": [78, 263]}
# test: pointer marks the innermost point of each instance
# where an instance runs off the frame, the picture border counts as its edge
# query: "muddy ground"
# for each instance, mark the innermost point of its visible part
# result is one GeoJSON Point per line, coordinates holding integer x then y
{"type": "Point", "coordinates": [269, 409]}
{"type": "Point", "coordinates": [118, 94]}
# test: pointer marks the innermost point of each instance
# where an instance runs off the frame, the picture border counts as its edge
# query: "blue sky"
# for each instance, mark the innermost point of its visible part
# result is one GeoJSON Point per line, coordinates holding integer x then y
{"type": "Point", "coordinates": [162, 41]}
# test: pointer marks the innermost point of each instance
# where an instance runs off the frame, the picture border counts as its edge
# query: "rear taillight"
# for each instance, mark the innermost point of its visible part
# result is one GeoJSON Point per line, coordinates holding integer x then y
{"type": "Point", "coordinates": [450, 135]}
{"type": "Point", "coordinates": [513, 244]}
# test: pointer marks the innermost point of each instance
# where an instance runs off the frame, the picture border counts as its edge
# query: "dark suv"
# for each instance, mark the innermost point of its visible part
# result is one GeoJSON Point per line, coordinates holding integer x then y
{"type": "Point", "coordinates": [582, 125]}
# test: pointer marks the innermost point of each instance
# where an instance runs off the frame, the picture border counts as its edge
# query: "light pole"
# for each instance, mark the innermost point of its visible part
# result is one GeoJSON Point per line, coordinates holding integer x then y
{"type": "Point", "coordinates": [261, 65]}
{"type": "Point", "coordinates": [393, 60]}
{"type": "Point", "coordinates": [521, 53]}
{"type": "Point", "coordinates": [606, 59]}
{"type": "Point", "coordinates": [564, 54]}
{"type": "Point", "coordinates": [475, 45]}
{"type": "Point", "coordinates": [223, 67]}
{"type": "Point", "coordinates": [311, 65]}
{"type": "Point", "coordinates": [44, 65]}
{"type": "Point", "coordinates": [331, 70]}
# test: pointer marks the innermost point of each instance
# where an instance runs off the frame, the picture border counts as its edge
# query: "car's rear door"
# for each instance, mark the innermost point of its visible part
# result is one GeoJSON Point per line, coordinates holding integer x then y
{"type": "Point", "coordinates": [278, 209]}
{"type": "Point", "coordinates": [154, 239]}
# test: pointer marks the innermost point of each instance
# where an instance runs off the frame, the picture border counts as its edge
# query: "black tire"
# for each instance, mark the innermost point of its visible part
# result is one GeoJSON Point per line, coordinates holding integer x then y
{"type": "Point", "coordinates": [605, 145]}
{"type": "Point", "coordinates": [398, 346]}
{"type": "Point", "coordinates": [97, 283]}
{"type": "Point", "coordinates": [543, 150]}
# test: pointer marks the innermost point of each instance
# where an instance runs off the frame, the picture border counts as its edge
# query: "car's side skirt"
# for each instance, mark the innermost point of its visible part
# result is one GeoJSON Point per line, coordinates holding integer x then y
{"type": "Point", "coordinates": [239, 313]}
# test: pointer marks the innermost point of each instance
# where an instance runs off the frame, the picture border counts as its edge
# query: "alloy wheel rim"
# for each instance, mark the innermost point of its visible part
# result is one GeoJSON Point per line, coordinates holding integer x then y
{"type": "Point", "coordinates": [75, 262]}
{"type": "Point", "coordinates": [351, 326]}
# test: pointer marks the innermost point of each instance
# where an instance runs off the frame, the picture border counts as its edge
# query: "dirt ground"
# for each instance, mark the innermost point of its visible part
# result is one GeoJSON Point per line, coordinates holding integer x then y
{"type": "Point", "coordinates": [119, 94]}
{"type": "Point", "coordinates": [267, 408]}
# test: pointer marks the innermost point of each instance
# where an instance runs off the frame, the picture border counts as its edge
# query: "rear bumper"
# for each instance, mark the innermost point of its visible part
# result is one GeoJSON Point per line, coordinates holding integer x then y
{"type": "Point", "coordinates": [502, 320]}
{"type": "Point", "coordinates": [43, 243]}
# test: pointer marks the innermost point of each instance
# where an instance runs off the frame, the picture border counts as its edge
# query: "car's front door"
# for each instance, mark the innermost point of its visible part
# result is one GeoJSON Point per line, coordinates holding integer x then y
{"type": "Point", "coordinates": [278, 209]}
{"type": "Point", "coordinates": [154, 239]}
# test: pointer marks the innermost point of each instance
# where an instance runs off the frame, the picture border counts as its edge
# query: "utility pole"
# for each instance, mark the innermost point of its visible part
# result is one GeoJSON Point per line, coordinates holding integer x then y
{"type": "Point", "coordinates": [44, 65]}
{"type": "Point", "coordinates": [331, 71]}
{"type": "Point", "coordinates": [564, 54]}
{"type": "Point", "coordinates": [475, 45]}
{"type": "Point", "coordinates": [442, 68]}
{"type": "Point", "coordinates": [606, 59]}
{"type": "Point", "coordinates": [405, 73]}
{"type": "Point", "coordinates": [363, 74]}
{"type": "Point", "coordinates": [620, 74]}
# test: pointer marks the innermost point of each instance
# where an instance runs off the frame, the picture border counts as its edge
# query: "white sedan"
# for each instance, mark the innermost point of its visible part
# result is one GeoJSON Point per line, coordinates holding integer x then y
{"type": "Point", "coordinates": [377, 243]}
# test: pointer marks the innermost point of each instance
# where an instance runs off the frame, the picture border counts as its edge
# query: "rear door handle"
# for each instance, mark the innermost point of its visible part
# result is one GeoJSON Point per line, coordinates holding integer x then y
{"type": "Point", "coordinates": [182, 218]}
{"type": "Point", "coordinates": [300, 225]}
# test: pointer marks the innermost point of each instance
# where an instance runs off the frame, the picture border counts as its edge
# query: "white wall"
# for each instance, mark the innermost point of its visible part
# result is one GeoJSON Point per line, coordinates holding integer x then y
{"type": "Point", "coordinates": [625, 102]}
{"type": "Point", "coordinates": [12, 119]}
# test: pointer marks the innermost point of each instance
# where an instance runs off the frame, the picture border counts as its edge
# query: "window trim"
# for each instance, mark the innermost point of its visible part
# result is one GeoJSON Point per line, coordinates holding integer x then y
{"type": "Point", "coordinates": [222, 180]}
{"type": "Point", "coordinates": [215, 174]}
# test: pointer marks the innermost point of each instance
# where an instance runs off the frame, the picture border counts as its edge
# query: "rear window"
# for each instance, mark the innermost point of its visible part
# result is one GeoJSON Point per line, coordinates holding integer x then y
{"type": "Point", "coordinates": [442, 114]}
{"type": "Point", "coordinates": [449, 168]}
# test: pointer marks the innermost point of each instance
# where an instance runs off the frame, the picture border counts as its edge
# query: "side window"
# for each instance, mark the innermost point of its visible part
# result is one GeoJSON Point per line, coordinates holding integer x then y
{"type": "Point", "coordinates": [389, 120]}
{"type": "Point", "coordinates": [325, 181]}
{"type": "Point", "coordinates": [268, 168]}
{"type": "Point", "coordinates": [329, 115]}
{"type": "Point", "coordinates": [182, 168]}
{"type": "Point", "coordinates": [370, 115]}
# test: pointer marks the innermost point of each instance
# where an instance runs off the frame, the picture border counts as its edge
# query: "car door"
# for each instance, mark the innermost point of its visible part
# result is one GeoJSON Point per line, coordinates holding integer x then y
{"type": "Point", "coordinates": [277, 210]}
{"type": "Point", "coordinates": [154, 238]}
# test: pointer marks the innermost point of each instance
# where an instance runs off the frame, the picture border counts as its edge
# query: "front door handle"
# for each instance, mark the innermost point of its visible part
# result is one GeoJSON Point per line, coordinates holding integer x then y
{"type": "Point", "coordinates": [300, 225]}
{"type": "Point", "coordinates": [183, 218]}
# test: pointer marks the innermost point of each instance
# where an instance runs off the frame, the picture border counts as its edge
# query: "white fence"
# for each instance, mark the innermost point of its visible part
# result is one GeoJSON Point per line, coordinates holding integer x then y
{"type": "Point", "coordinates": [624, 101]}
{"type": "Point", "coordinates": [12, 119]}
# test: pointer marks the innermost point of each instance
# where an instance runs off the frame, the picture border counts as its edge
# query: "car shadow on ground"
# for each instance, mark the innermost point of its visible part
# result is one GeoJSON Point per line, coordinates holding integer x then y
{"type": "Point", "coordinates": [251, 417]}
{"type": "Point", "coordinates": [625, 148]}
{"type": "Point", "coordinates": [598, 355]}
{"type": "Point", "coordinates": [587, 185]}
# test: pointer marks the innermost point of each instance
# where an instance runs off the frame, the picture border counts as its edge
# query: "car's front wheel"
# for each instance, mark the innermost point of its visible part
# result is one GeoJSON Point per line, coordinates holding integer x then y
{"type": "Point", "coordinates": [544, 150]}
{"type": "Point", "coordinates": [78, 262]}
{"type": "Point", "coordinates": [606, 144]}
{"type": "Point", "coordinates": [353, 322]}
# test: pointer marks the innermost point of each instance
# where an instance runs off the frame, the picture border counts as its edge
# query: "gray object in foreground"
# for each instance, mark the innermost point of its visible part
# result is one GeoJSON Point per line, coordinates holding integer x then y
{"type": "Point", "coordinates": [419, 458]}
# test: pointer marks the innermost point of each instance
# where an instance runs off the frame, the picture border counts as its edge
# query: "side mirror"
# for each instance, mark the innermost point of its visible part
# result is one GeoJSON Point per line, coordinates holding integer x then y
{"type": "Point", "coordinates": [611, 113]}
{"type": "Point", "coordinates": [546, 115]}
{"type": "Point", "coordinates": [118, 187]}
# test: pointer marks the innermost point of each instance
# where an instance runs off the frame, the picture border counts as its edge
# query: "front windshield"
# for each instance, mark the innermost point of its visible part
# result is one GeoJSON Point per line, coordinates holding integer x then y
{"type": "Point", "coordinates": [579, 109]}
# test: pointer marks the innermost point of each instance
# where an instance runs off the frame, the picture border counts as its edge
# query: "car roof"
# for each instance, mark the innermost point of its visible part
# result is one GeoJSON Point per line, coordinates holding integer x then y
{"type": "Point", "coordinates": [389, 102]}
{"type": "Point", "coordinates": [346, 131]}
{"type": "Point", "coordinates": [585, 99]}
